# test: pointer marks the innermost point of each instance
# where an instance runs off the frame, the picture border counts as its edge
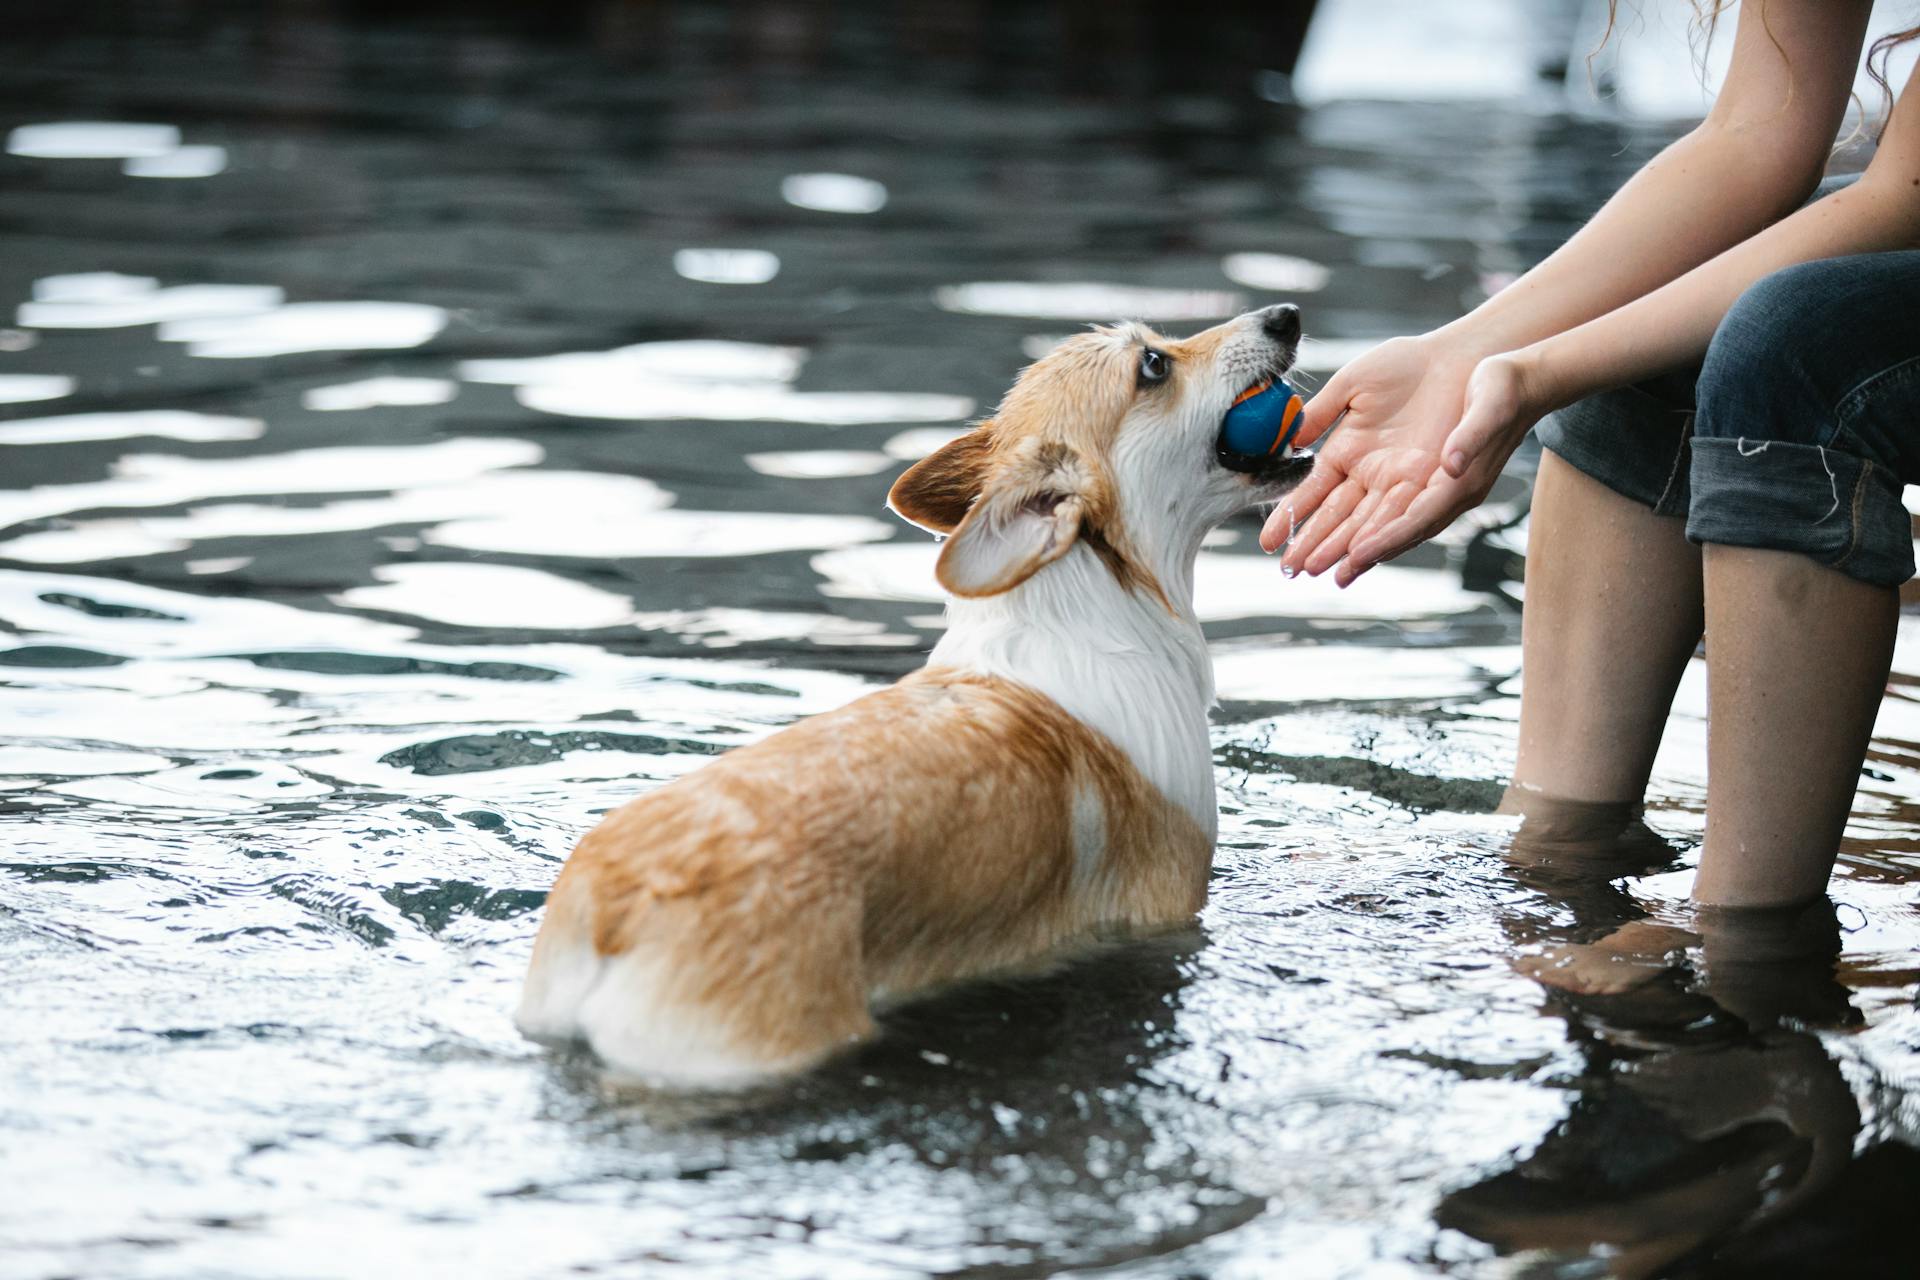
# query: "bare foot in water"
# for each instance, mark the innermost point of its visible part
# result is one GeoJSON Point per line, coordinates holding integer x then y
{"type": "Point", "coordinates": [1631, 956]}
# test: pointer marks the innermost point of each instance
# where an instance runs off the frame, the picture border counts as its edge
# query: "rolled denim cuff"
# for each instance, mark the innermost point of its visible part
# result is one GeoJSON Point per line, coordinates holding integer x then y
{"type": "Point", "coordinates": [1835, 507]}
{"type": "Point", "coordinates": [1630, 440]}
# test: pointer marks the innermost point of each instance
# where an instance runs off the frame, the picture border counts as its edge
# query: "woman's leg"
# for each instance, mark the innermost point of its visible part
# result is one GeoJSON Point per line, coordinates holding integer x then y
{"type": "Point", "coordinates": [1612, 614]}
{"type": "Point", "coordinates": [1802, 441]}
{"type": "Point", "coordinates": [1797, 660]}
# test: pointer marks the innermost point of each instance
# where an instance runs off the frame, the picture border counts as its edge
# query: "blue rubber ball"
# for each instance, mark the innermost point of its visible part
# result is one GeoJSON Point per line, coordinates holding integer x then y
{"type": "Point", "coordinates": [1261, 422]}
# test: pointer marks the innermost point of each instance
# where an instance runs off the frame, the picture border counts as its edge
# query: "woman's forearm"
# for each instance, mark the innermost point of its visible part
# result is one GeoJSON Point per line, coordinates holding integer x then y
{"type": "Point", "coordinates": [1753, 160]}
{"type": "Point", "coordinates": [1672, 326]}
{"type": "Point", "coordinates": [1696, 199]}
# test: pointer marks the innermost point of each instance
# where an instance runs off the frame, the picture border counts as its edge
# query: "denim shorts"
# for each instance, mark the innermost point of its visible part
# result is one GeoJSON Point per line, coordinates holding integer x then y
{"type": "Point", "coordinates": [1797, 432]}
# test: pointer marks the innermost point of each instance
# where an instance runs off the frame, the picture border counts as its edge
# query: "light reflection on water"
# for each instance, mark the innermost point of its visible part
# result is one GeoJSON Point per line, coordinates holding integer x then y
{"type": "Point", "coordinates": [134, 424]}
{"type": "Point", "coordinates": [819, 464]}
{"type": "Point", "coordinates": [452, 490]}
{"type": "Point", "coordinates": [833, 192]}
{"type": "Point", "coordinates": [181, 162]}
{"type": "Point", "coordinates": [20, 388]}
{"type": "Point", "coordinates": [327, 625]}
{"type": "Point", "coordinates": [1087, 301]}
{"type": "Point", "coordinates": [727, 266]}
{"type": "Point", "coordinates": [226, 321]}
{"type": "Point", "coordinates": [485, 595]}
{"type": "Point", "coordinates": [376, 393]}
{"type": "Point", "coordinates": [92, 140]}
{"type": "Point", "coordinates": [690, 381]}
{"type": "Point", "coordinates": [108, 300]}
{"type": "Point", "coordinates": [306, 326]}
{"type": "Point", "coordinates": [1276, 272]}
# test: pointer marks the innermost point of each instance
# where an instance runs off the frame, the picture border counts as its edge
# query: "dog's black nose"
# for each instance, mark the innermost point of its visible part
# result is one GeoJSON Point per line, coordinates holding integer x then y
{"type": "Point", "coordinates": [1281, 323]}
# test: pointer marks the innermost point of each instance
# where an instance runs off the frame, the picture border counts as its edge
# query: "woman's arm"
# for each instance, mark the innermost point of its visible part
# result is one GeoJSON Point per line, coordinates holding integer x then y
{"type": "Point", "coordinates": [1671, 326]}
{"type": "Point", "coordinates": [1756, 156]}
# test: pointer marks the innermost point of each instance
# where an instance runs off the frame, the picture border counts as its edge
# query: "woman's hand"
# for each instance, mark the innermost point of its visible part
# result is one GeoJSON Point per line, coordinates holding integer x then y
{"type": "Point", "coordinates": [1426, 434]}
{"type": "Point", "coordinates": [1400, 401]}
{"type": "Point", "coordinates": [1502, 405]}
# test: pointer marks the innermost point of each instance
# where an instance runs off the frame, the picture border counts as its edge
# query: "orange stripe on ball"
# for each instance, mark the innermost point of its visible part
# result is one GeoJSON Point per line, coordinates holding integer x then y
{"type": "Point", "coordinates": [1287, 416]}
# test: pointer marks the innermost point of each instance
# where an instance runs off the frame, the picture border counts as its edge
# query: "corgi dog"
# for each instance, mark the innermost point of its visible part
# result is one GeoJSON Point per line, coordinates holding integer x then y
{"type": "Point", "coordinates": [1045, 781]}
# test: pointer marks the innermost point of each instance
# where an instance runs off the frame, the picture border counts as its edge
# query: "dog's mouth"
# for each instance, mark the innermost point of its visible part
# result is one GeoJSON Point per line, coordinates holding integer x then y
{"type": "Point", "coordinates": [1276, 476]}
{"type": "Point", "coordinates": [1263, 456]}
{"type": "Point", "coordinates": [1279, 472]}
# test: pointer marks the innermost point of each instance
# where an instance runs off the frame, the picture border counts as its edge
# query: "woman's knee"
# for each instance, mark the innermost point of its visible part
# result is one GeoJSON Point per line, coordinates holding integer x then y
{"type": "Point", "coordinates": [1794, 345]}
{"type": "Point", "coordinates": [1760, 374]}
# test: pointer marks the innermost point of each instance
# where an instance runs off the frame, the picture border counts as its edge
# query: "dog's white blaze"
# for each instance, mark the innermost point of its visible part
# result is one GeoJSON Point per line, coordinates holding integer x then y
{"type": "Point", "coordinates": [1116, 660]}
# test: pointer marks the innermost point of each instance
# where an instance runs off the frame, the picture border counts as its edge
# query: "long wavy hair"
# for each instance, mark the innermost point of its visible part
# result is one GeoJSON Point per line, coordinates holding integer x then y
{"type": "Point", "coordinates": [1706, 18]}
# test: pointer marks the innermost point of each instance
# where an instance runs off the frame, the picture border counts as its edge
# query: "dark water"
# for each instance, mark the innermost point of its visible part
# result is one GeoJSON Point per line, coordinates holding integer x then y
{"type": "Point", "coordinates": [359, 543]}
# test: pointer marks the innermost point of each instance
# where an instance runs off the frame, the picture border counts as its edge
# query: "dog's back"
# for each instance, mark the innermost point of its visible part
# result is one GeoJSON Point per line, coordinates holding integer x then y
{"type": "Point", "coordinates": [734, 924]}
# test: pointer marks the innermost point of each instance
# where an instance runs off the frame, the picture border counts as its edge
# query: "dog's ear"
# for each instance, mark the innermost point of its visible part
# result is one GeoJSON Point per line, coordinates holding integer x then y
{"type": "Point", "coordinates": [936, 491]}
{"type": "Point", "coordinates": [1028, 517]}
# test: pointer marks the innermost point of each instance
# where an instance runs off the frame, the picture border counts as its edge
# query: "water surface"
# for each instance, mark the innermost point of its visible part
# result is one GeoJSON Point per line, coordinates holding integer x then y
{"type": "Point", "coordinates": [424, 432]}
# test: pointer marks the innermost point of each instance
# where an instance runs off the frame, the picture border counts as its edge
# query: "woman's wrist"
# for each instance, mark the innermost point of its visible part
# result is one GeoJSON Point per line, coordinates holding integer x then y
{"type": "Point", "coordinates": [1509, 320]}
{"type": "Point", "coordinates": [1542, 378]}
{"type": "Point", "coordinates": [1474, 337]}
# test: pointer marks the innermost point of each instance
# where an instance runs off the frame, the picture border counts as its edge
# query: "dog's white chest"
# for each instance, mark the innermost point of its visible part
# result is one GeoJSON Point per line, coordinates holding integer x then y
{"type": "Point", "coordinates": [1122, 666]}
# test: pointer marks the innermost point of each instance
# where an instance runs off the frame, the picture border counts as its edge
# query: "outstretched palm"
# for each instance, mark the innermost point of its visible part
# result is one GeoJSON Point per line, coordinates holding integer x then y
{"type": "Point", "coordinates": [1379, 486]}
{"type": "Point", "coordinates": [1401, 399]}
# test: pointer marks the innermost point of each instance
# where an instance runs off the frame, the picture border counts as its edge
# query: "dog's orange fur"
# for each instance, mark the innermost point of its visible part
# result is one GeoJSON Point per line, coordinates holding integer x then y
{"type": "Point", "coordinates": [789, 879]}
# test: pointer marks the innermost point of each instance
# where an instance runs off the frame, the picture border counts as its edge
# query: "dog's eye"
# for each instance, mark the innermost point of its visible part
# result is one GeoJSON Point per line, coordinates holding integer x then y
{"type": "Point", "coordinates": [1154, 367]}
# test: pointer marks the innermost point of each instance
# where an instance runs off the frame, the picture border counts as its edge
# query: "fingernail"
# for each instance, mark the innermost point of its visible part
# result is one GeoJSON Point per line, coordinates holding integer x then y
{"type": "Point", "coordinates": [1456, 462]}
